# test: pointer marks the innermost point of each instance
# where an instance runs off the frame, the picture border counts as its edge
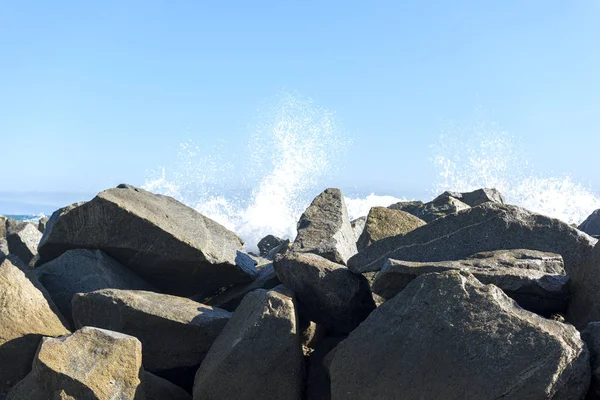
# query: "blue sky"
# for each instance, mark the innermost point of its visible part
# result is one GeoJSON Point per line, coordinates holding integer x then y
{"type": "Point", "coordinates": [93, 94]}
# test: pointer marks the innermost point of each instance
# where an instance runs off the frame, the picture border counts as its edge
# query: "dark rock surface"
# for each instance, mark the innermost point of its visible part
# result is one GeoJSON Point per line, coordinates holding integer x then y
{"type": "Point", "coordinates": [476, 197]}
{"type": "Point", "coordinates": [23, 239]}
{"type": "Point", "coordinates": [447, 336]}
{"type": "Point", "coordinates": [157, 388]}
{"type": "Point", "coordinates": [42, 224]}
{"type": "Point", "coordinates": [318, 385]}
{"type": "Point", "coordinates": [358, 225]}
{"type": "Point", "coordinates": [268, 243]}
{"type": "Point", "coordinates": [433, 210]}
{"type": "Point", "coordinates": [591, 337]}
{"type": "Point", "coordinates": [383, 222]}
{"type": "Point", "coordinates": [258, 355]}
{"type": "Point", "coordinates": [591, 225]}
{"type": "Point", "coordinates": [327, 293]}
{"type": "Point", "coordinates": [324, 228]}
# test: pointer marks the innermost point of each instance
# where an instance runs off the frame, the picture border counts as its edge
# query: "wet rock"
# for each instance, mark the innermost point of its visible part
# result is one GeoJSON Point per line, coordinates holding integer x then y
{"type": "Point", "coordinates": [383, 222]}
{"type": "Point", "coordinates": [157, 388]}
{"type": "Point", "coordinates": [84, 271]}
{"type": "Point", "coordinates": [42, 224]}
{"type": "Point", "coordinates": [591, 225]}
{"type": "Point", "coordinates": [268, 243]}
{"type": "Point", "coordinates": [591, 337]}
{"type": "Point", "coordinates": [91, 363]}
{"type": "Point", "coordinates": [23, 239]}
{"type": "Point", "coordinates": [327, 293]}
{"type": "Point", "coordinates": [447, 336]}
{"type": "Point", "coordinates": [27, 314]}
{"type": "Point", "coordinates": [534, 290]}
{"type": "Point", "coordinates": [167, 243]}
{"type": "Point", "coordinates": [325, 229]}
{"type": "Point", "coordinates": [358, 225]}
{"type": "Point", "coordinates": [433, 210]}
{"type": "Point", "coordinates": [476, 197]}
{"type": "Point", "coordinates": [174, 331]}
{"type": "Point", "coordinates": [258, 355]}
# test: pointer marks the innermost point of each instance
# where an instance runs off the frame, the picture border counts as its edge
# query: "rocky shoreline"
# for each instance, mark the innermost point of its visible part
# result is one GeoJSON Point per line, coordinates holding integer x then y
{"type": "Point", "coordinates": [133, 295]}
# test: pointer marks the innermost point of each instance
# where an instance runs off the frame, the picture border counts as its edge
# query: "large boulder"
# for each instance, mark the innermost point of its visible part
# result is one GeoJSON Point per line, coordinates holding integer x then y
{"type": "Point", "coordinates": [383, 222]}
{"type": "Point", "coordinates": [157, 388]}
{"type": "Point", "coordinates": [534, 290]}
{"type": "Point", "coordinates": [584, 306]}
{"type": "Point", "coordinates": [476, 197]}
{"type": "Point", "coordinates": [169, 244]}
{"type": "Point", "coordinates": [591, 225]}
{"type": "Point", "coordinates": [448, 336]}
{"type": "Point", "coordinates": [268, 243]}
{"type": "Point", "coordinates": [27, 314]}
{"type": "Point", "coordinates": [90, 364]}
{"type": "Point", "coordinates": [327, 292]}
{"type": "Point", "coordinates": [258, 355]}
{"type": "Point", "coordinates": [433, 210]}
{"type": "Point", "coordinates": [324, 228]}
{"type": "Point", "coordinates": [459, 235]}
{"type": "Point", "coordinates": [520, 258]}
{"type": "Point", "coordinates": [175, 332]}
{"type": "Point", "coordinates": [83, 271]}
{"type": "Point", "coordinates": [23, 239]}
{"type": "Point", "coordinates": [591, 337]}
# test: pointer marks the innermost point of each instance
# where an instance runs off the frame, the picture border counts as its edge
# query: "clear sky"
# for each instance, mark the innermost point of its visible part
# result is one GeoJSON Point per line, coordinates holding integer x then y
{"type": "Point", "coordinates": [94, 93]}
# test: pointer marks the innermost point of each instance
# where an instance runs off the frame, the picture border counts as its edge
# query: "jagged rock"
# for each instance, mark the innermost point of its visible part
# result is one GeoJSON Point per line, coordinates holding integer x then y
{"type": "Point", "coordinates": [27, 314]}
{"type": "Point", "coordinates": [258, 355]}
{"type": "Point", "coordinates": [327, 293]}
{"type": "Point", "coordinates": [167, 243]}
{"type": "Point", "coordinates": [84, 271]}
{"type": "Point", "coordinates": [476, 197]}
{"type": "Point", "coordinates": [358, 225]}
{"type": "Point", "coordinates": [591, 225]}
{"type": "Point", "coordinates": [90, 364]}
{"type": "Point", "coordinates": [157, 388]}
{"type": "Point", "coordinates": [42, 224]}
{"type": "Point", "coordinates": [23, 239]}
{"type": "Point", "coordinates": [318, 386]}
{"type": "Point", "coordinates": [433, 210]}
{"type": "Point", "coordinates": [584, 306]}
{"type": "Point", "coordinates": [591, 337]}
{"type": "Point", "coordinates": [383, 222]}
{"type": "Point", "coordinates": [534, 290]}
{"type": "Point", "coordinates": [520, 258]}
{"type": "Point", "coordinates": [281, 249]}
{"type": "Point", "coordinates": [325, 229]}
{"type": "Point", "coordinates": [232, 297]}
{"type": "Point", "coordinates": [268, 243]}
{"type": "Point", "coordinates": [174, 331]}
{"type": "Point", "coordinates": [459, 235]}
{"type": "Point", "coordinates": [447, 336]}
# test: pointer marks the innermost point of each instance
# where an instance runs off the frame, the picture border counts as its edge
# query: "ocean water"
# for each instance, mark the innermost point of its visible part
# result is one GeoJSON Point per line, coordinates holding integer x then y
{"type": "Point", "coordinates": [27, 218]}
{"type": "Point", "coordinates": [296, 145]}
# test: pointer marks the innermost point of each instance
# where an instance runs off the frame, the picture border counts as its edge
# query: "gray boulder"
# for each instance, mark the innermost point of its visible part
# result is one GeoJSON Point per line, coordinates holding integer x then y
{"type": "Point", "coordinates": [23, 239]}
{"type": "Point", "coordinates": [591, 337]}
{"type": "Point", "coordinates": [534, 290]}
{"type": "Point", "coordinates": [358, 225]}
{"type": "Point", "coordinates": [476, 197]}
{"type": "Point", "coordinates": [268, 243]}
{"type": "Point", "coordinates": [157, 388]}
{"type": "Point", "coordinates": [174, 331]}
{"type": "Point", "coordinates": [591, 225]}
{"type": "Point", "coordinates": [84, 271]}
{"type": "Point", "coordinates": [520, 258]}
{"type": "Point", "coordinates": [327, 293]}
{"type": "Point", "coordinates": [447, 336]}
{"type": "Point", "coordinates": [433, 210]}
{"type": "Point", "coordinates": [325, 229]}
{"type": "Point", "coordinates": [258, 355]}
{"type": "Point", "coordinates": [584, 306]}
{"type": "Point", "coordinates": [383, 222]}
{"type": "Point", "coordinates": [167, 243]}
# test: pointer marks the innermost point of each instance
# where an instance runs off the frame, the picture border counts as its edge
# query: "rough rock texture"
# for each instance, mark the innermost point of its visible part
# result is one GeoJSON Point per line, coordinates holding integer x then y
{"type": "Point", "coordinates": [584, 306]}
{"type": "Point", "coordinates": [534, 290]}
{"type": "Point", "coordinates": [591, 337]}
{"type": "Point", "coordinates": [89, 364]}
{"type": "Point", "coordinates": [447, 336]}
{"type": "Point", "coordinates": [520, 258]}
{"type": "Point", "coordinates": [358, 225]}
{"type": "Point", "coordinates": [268, 243]}
{"type": "Point", "coordinates": [433, 210]}
{"type": "Point", "coordinates": [157, 388]}
{"type": "Point", "coordinates": [591, 225]}
{"type": "Point", "coordinates": [232, 297]}
{"type": "Point", "coordinates": [476, 197]}
{"type": "Point", "coordinates": [327, 293]}
{"type": "Point", "coordinates": [174, 331]}
{"type": "Point", "coordinates": [3, 247]}
{"type": "Point", "coordinates": [258, 355]}
{"type": "Point", "coordinates": [23, 239]}
{"type": "Point", "coordinates": [26, 315]}
{"type": "Point", "coordinates": [459, 235]}
{"type": "Point", "coordinates": [325, 229]}
{"type": "Point", "coordinates": [83, 271]}
{"type": "Point", "coordinates": [167, 243]}
{"type": "Point", "coordinates": [383, 222]}
{"type": "Point", "coordinates": [281, 249]}
{"type": "Point", "coordinates": [318, 386]}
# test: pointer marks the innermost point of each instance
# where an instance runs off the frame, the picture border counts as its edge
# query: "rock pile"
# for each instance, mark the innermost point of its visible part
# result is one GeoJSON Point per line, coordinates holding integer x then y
{"type": "Point", "coordinates": [135, 296]}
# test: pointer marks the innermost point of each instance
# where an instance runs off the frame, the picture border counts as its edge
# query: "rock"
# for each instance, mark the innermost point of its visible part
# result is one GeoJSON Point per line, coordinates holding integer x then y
{"type": "Point", "coordinates": [3, 247]}
{"type": "Point", "coordinates": [232, 297]}
{"type": "Point", "coordinates": [584, 306]}
{"type": "Point", "coordinates": [591, 225]}
{"type": "Point", "coordinates": [327, 293]}
{"type": "Point", "coordinates": [318, 386]}
{"type": "Point", "coordinates": [534, 290]}
{"type": "Point", "coordinates": [3, 226]}
{"type": "Point", "coordinates": [167, 243]}
{"type": "Point", "coordinates": [358, 225]}
{"type": "Point", "coordinates": [156, 388]}
{"type": "Point", "coordinates": [258, 355]}
{"type": "Point", "coordinates": [521, 258]}
{"type": "Point", "coordinates": [476, 197]}
{"type": "Point", "coordinates": [84, 271]}
{"type": "Point", "coordinates": [268, 243]}
{"type": "Point", "coordinates": [447, 336]}
{"type": "Point", "coordinates": [459, 235]}
{"type": "Point", "coordinates": [591, 337]}
{"type": "Point", "coordinates": [27, 315]}
{"type": "Point", "coordinates": [91, 363]}
{"type": "Point", "coordinates": [384, 222]}
{"type": "Point", "coordinates": [174, 331]}
{"type": "Point", "coordinates": [42, 224]}
{"type": "Point", "coordinates": [23, 239]}
{"type": "Point", "coordinates": [433, 210]}
{"type": "Point", "coordinates": [325, 229]}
